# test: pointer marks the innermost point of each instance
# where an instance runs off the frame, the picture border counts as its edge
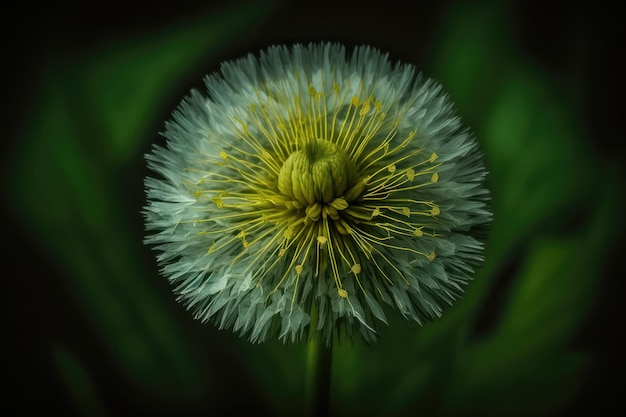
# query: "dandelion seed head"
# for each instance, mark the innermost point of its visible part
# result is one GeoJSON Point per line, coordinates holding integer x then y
{"type": "Point", "coordinates": [310, 180]}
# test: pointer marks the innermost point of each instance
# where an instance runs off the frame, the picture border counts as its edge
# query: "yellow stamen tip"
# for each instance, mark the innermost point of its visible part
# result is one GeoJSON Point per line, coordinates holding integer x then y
{"type": "Point", "coordinates": [218, 202]}
{"type": "Point", "coordinates": [342, 293]}
{"type": "Point", "coordinates": [366, 109]}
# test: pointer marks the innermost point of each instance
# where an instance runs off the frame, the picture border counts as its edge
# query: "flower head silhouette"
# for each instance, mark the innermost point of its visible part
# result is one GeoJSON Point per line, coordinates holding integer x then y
{"type": "Point", "coordinates": [316, 188]}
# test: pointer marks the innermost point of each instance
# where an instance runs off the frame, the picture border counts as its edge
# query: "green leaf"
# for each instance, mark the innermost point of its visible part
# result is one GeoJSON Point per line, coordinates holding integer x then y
{"type": "Point", "coordinates": [525, 367]}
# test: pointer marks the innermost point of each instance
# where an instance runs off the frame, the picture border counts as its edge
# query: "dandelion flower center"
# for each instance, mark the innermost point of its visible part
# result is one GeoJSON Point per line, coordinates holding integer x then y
{"type": "Point", "coordinates": [316, 174]}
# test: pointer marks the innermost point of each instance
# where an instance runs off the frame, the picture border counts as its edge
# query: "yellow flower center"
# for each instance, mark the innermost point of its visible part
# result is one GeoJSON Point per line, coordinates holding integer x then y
{"type": "Point", "coordinates": [318, 173]}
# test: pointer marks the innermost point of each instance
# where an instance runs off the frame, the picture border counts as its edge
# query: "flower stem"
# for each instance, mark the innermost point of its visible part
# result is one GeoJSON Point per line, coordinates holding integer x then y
{"type": "Point", "coordinates": [319, 363]}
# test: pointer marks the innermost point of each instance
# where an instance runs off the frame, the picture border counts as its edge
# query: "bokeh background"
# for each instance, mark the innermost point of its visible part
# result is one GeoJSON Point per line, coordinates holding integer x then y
{"type": "Point", "coordinates": [93, 330]}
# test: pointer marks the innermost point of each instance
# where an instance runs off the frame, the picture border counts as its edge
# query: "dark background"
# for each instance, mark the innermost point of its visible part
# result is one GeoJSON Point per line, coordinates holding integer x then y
{"type": "Point", "coordinates": [82, 347]}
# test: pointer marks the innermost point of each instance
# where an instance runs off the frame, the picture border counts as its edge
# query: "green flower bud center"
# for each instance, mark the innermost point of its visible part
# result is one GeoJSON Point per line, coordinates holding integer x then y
{"type": "Point", "coordinates": [320, 172]}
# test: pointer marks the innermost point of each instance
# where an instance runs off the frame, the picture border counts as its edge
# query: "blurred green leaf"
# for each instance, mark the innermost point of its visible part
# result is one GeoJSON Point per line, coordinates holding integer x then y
{"type": "Point", "coordinates": [90, 121]}
{"type": "Point", "coordinates": [524, 367]}
{"type": "Point", "coordinates": [79, 383]}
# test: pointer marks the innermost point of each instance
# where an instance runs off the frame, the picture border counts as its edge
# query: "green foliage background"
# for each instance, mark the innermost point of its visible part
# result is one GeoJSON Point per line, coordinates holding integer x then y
{"type": "Point", "coordinates": [95, 331]}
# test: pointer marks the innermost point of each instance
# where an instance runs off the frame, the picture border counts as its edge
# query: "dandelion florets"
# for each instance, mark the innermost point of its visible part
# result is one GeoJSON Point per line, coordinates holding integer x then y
{"type": "Point", "coordinates": [314, 189]}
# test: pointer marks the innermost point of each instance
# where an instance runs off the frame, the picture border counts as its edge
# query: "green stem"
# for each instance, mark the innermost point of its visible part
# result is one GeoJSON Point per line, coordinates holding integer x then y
{"type": "Point", "coordinates": [319, 363]}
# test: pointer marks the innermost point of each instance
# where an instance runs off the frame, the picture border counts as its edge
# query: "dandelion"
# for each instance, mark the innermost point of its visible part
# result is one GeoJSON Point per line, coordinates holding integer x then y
{"type": "Point", "coordinates": [316, 190]}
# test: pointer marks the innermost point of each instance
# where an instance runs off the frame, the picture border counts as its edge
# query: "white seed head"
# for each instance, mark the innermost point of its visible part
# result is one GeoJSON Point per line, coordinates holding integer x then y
{"type": "Point", "coordinates": [311, 180]}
